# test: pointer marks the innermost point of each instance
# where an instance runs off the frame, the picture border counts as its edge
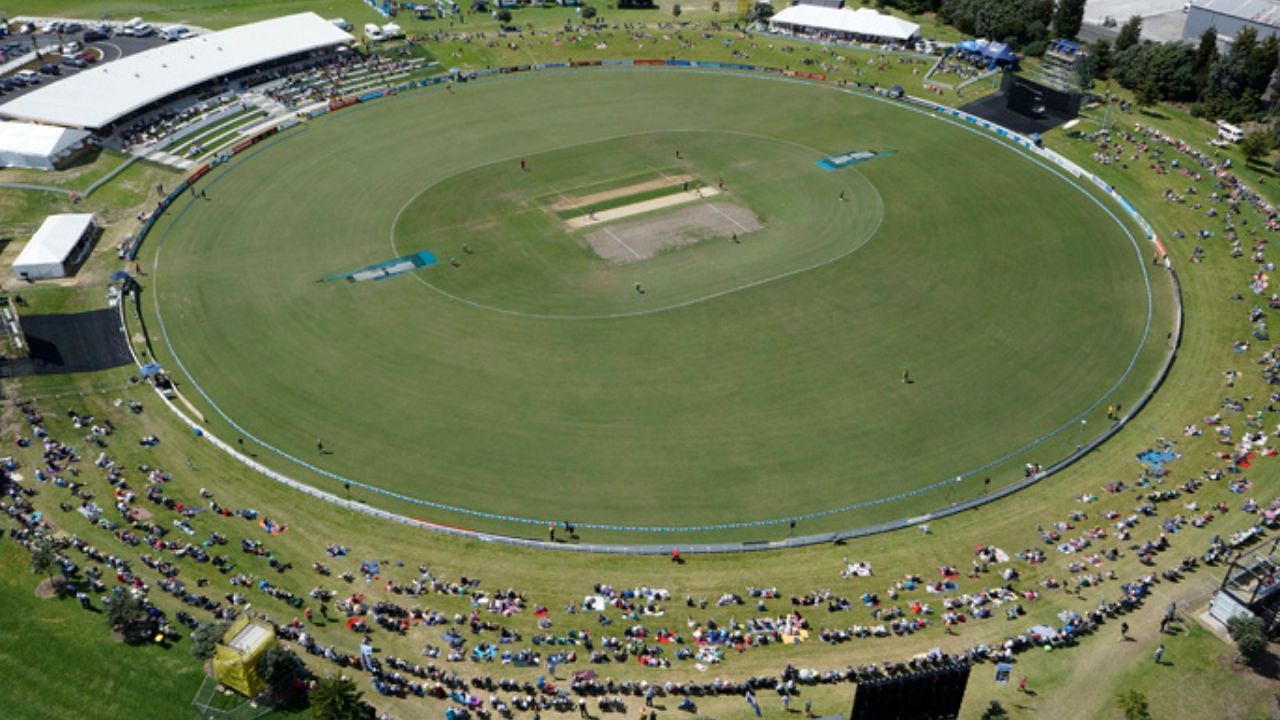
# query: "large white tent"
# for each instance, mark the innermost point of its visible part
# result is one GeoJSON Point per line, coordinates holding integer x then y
{"type": "Point", "coordinates": [42, 147]}
{"type": "Point", "coordinates": [98, 96]}
{"type": "Point", "coordinates": [861, 24]}
{"type": "Point", "coordinates": [59, 244]}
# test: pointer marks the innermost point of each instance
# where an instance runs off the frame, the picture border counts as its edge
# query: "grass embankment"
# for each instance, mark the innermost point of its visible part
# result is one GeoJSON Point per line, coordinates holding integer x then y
{"type": "Point", "coordinates": [1081, 682]}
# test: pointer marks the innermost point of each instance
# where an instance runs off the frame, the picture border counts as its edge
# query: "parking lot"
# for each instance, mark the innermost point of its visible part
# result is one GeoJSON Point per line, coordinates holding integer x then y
{"type": "Point", "coordinates": [50, 46]}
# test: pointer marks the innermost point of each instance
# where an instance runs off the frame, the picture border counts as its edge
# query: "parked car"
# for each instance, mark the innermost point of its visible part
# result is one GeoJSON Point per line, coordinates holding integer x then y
{"type": "Point", "coordinates": [29, 77]}
{"type": "Point", "coordinates": [72, 27]}
{"type": "Point", "coordinates": [177, 32]}
{"type": "Point", "coordinates": [70, 47]}
{"type": "Point", "coordinates": [51, 28]}
{"type": "Point", "coordinates": [94, 36]}
{"type": "Point", "coordinates": [143, 30]}
{"type": "Point", "coordinates": [50, 69]}
{"type": "Point", "coordinates": [74, 60]}
{"type": "Point", "coordinates": [88, 57]}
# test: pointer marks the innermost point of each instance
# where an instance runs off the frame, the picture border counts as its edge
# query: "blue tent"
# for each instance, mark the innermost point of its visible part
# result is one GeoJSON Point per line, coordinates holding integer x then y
{"type": "Point", "coordinates": [119, 275]}
{"type": "Point", "coordinates": [967, 46]}
{"type": "Point", "coordinates": [999, 54]}
{"type": "Point", "coordinates": [149, 370]}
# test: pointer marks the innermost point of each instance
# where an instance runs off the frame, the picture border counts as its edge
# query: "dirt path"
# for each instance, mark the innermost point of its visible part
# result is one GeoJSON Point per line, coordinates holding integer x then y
{"type": "Point", "coordinates": [570, 202]}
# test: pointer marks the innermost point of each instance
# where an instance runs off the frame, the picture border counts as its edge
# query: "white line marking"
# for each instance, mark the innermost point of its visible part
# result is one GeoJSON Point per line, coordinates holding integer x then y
{"type": "Point", "coordinates": [576, 206]}
{"type": "Point", "coordinates": [713, 207]}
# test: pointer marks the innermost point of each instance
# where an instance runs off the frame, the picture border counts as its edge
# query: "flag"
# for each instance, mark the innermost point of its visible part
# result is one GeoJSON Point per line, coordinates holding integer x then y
{"type": "Point", "coordinates": [751, 700]}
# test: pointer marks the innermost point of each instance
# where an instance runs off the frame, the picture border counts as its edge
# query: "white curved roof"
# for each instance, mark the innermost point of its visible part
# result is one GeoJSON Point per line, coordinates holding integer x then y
{"type": "Point", "coordinates": [98, 96]}
{"type": "Point", "coordinates": [863, 21]}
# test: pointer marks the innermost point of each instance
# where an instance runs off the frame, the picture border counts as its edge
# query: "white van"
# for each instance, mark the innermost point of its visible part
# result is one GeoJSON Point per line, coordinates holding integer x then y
{"type": "Point", "coordinates": [372, 32]}
{"type": "Point", "coordinates": [1229, 132]}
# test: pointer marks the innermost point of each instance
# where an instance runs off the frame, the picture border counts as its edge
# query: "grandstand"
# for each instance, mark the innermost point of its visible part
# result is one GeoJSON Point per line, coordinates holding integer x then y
{"type": "Point", "coordinates": [103, 97]}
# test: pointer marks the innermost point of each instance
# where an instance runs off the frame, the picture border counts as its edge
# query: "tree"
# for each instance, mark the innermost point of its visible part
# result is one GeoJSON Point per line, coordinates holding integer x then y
{"type": "Point", "coordinates": [44, 558]}
{"type": "Point", "coordinates": [1261, 64]}
{"type": "Point", "coordinates": [1168, 66]}
{"type": "Point", "coordinates": [1023, 21]}
{"type": "Point", "coordinates": [676, 10]}
{"type": "Point", "coordinates": [1068, 16]}
{"type": "Point", "coordinates": [126, 615]}
{"type": "Point", "coordinates": [760, 11]}
{"type": "Point", "coordinates": [336, 698]}
{"type": "Point", "coordinates": [995, 711]}
{"type": "Point", "coordinates": [588, 12]}
{"type": "Point", "coordinates": [206, 636]}
{"type": "Point", "coordinates": [1148, 94]}
{"type": "Point", "coordinates": [279, 665]}
{"type": "Point", "coordinates": [1133, 705]}
{"type": "Point", "coordinates": [1130, 33]}
{"type": "Point", "coordinates": [1206, 55]}
{"type": "Point", "coordinates": [1248, 632]}
{"type": "Point", "coordinates": [1255, 145]}
{"type": "Point", "coordinates": [504, 16]}
{"type": "Point", "coordinates": [1100, 59]}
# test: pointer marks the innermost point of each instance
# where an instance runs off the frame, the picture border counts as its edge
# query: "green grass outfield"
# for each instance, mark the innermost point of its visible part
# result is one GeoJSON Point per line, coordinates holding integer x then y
{"type": "Point", "coordinates": [1015, 300]}
{"type": "Point", "coordinates": [99, 679]}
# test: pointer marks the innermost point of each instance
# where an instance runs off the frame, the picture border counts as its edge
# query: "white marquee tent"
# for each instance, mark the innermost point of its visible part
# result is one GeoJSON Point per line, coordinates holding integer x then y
{"type": "Point", "coordinates": [60, 242]}
{"type": "Point", "coordinates": [98, 96]}
{"type": "Point", "coordinates": [861, 24]}
{"type": "Point", "coordinates": [24, 145]}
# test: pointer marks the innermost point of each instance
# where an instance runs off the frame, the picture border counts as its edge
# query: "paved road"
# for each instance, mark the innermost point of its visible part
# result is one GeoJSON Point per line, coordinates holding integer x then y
{"type": "Point", "coordinates": [1162, 20]}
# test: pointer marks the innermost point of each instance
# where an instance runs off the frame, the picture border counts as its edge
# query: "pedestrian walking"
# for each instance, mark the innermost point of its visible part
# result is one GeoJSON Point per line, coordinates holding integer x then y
{"type": "Point", "coordinates": [320, 445]}
{"type": "Point", "coordinates": [1124, 631]}
{"type": "Point", "coordinates": [1159, 655]}
{"type": "Point", "coordinates": [786, 702]}
{"type": "Point", "coordinates": [523, 166]}
{"type": "Point", "coordinates": [1022, 684]}
{"type": "Point", "coordinates": [906, 377]}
